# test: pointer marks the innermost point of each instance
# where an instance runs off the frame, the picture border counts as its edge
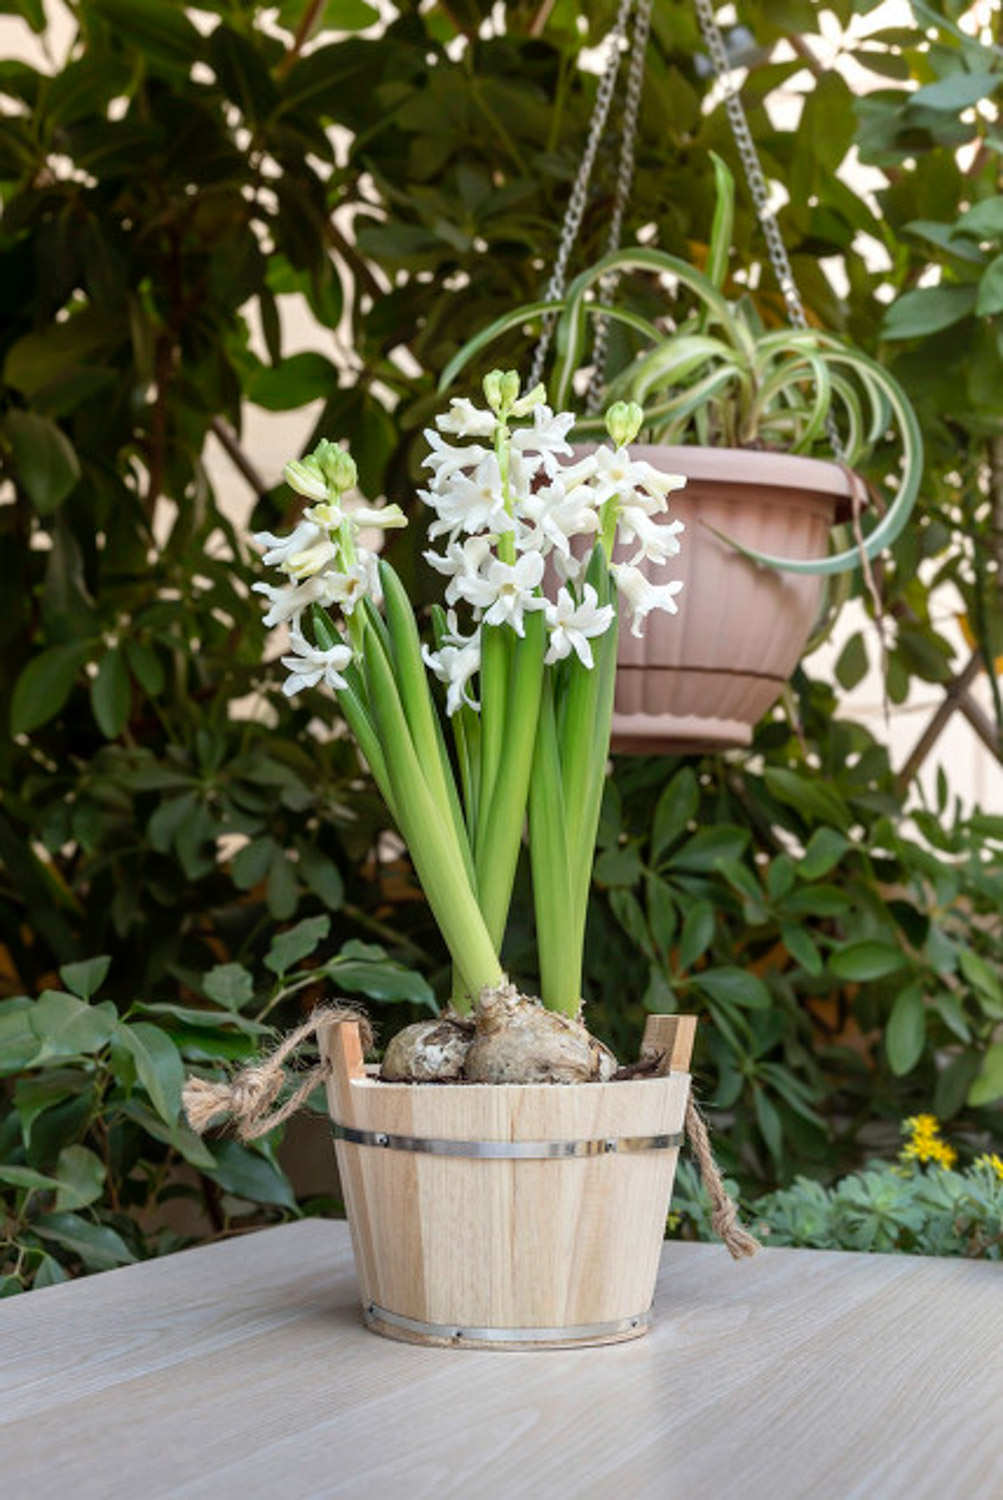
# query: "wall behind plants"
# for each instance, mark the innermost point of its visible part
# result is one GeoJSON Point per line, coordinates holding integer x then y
{"type": "Point", "coordinates": [172, 183]}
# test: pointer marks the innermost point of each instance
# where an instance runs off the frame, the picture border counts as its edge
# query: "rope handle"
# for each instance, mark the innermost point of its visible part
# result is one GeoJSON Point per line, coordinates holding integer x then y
{"type": "Point", "coordinates": [247, 1098]}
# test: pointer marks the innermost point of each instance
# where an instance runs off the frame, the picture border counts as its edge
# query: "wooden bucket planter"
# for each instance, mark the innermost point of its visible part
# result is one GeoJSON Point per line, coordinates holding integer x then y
{"type": "Point", "coordinates": [702, 679]}
{"type": "Point", "coordinates": [508, 1216]}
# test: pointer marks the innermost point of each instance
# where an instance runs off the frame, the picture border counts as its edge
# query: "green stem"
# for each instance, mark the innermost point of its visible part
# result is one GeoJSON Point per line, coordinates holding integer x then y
{"type": "Point", "coordinates": [429, 831]}
{"type": "Point", "coordinates": [548, 851]}
{"type": "Point", "coordinates": [498, 850]}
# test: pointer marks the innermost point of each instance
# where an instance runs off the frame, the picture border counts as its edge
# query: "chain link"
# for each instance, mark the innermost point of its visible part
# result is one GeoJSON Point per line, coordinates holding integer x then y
{"type": "Point", "coordinates": [579, 191]}
{"type": "Point", "coordinates": [748, 156]}
{"type": "Point", "coordinates": [624, 180]}
{"type": "Point", "coordinates": [752, 167]}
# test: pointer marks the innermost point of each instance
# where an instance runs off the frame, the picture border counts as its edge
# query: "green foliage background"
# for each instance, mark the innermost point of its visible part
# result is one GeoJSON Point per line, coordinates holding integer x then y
{"type": "Point", "coordinates": [170, 182]}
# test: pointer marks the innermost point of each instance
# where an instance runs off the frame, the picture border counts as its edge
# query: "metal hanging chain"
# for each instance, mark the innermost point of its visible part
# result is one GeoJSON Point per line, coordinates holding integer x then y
{"type": "Point", "coordinates": [752, 167]}
{"type": "Point", "coordinates": [624, 180]}
{"type": "Point", "coordinates": [579, 192]}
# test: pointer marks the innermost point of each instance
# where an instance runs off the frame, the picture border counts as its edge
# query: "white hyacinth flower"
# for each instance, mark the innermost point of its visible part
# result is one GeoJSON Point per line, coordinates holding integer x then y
{"type": "Point", "coordinates": [658, 540]}
{"type": "Point", "coordinates": [309, 665]}
{"type": "Point", "coordinates": [505, 591]}
{"type": "Point", "coordinates": [464, 419]}
{"type": "Point", "coordinates": [456, 661]}
{"type": "Point", "coordinates": [554, 516]}
{"type": "Point", "coordinates": [642, 596]}
{"type": "Point", "coordinates": [312, 559]}
{"type": "Point", "coordinates": [351, 585]}
{"type": "Point", "coordinates": [381, 517]}
{"type": "Point", "coordinates": [547, 437]}
{"type": "Point", "coordinates": [277, 550]}
{"type": "Point", "coordinates": [287, 600]}
{"type": "Point", "coordinates": [470, 504]}
{"type": "Point", "coordinates": [445, 459]}
{"type": "Point", "coordinates": [460, 560]}
{"type": "Point", "coordinates": [572, 624]}
{"type": "Point", "coordinates": [619, 475]}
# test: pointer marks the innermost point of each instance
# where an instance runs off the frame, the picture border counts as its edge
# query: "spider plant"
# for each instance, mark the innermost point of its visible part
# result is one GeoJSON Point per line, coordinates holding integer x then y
{"type": "Point", "coordinates": [718, 377]}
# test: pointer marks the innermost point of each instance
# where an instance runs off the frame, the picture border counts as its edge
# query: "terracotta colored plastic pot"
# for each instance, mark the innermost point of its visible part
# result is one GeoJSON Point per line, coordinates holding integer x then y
{"type": "Point", "coordinates": [701, 679]}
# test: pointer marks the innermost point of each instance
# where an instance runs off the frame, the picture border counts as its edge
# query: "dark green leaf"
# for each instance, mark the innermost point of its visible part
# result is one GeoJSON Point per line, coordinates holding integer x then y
{"type": "Point", "coordinates": [905, 1034]}
{"type": "Point", "coordinates": [990, 298]}
{"type": "Point", "coordinates": [81, 1177]}
{"type": "Point", "coordinates": [44, 686]}
{"type": "Point", "coordinates": [983, 979]}
{"type": "Point", "coordinates": [49, 1273]}
{"type": "Point", "coordinates": [85, 978]}
{"type": "Point", "coordinates": [251, 864]}
{"type": "Point", "coordinates": [158, 30]}
{"type": "Point", "coordinates": [99, 1247]}
{"type": "Point", "coordinates": [825, 848]}
{"type": "Point", "coordinates": [26, 1177]}
{"type": "Point", "coordinates": [801, 948]}
{"type": "Point", "coordinates": [676, 806]}
{"type": "Point", "coordinates": [769, 1123]}
{"type": "Point", "coordinates": [299, 942]}
{"type": "Point", "coordinates": [248, 1175]}
{"type": "Point", "coordinates": [296, 381]}
{"type": "Point", "coordinates": [697, 934]}
{"type": "Point", "coordinates": [229, 984]}
{"type": "Point", "coordinates": [662, 918]}
{"type": "Point", "coordinates": [809, 796]}
{"type": "Point", "coordinates": [321, 875]}
{"type": "Point", "coordinates": [618, 866]}
{"type": "Point", "coordinates": [983, 221]}
{"type": "Point", "coordinates": [851, 666]}
{"type": "Point", "coordinates": [704, 849]}
{"type": "Point", "coordinates": [45, 461]}
{"type": "Point", "coordinates": [732, 986]}
{"type": "Point", "coordinates": [382, 981]}
{"type": "Point", "coordinates": [180, 1136]}
{"type": "Point", "coordinates": [158, 1064]}
{"type": "Point", "coordinates": [956, 92]}
{"type": "Point", "coordinates": [144, 663]}
{"type": "Point", "coordinates": [67, 1027]}
{"type": "Point", "coordinates": [111, 694]}
{"type": "Point", "coordinates": [927, 310]}
{"type": "Point", "coordinates": [866, 960]}
{"type": "Point", "coordinates": [988, 1086]}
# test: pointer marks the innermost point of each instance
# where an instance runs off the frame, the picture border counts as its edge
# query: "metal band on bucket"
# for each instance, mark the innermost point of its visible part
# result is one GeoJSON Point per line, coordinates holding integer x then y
{"type": "Point", "coordinates": [577, 1333]}
{"type": "Point", "coordinates": [502, 1150]}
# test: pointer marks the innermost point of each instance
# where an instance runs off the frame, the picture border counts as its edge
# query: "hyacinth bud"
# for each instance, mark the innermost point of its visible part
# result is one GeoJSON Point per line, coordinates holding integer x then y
{"type": "Point", "coordinates": [623, 422]}
{"type": "Point", "coordinates": [492, 389]}
{"type": "Point", "coordinates": [501, 391]}
{"type": "Point", "coordinates": [510, 389]}
{"type": "Point", "coordinates": [336, 465]}
{"type": "Point", "coordinates": [305, 477]}
{"type": "Point", "coordinates": [530, 401]}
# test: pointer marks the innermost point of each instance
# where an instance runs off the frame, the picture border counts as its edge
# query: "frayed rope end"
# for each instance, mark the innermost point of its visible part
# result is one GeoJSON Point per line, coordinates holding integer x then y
{"type": "Point", "coordinates": [724, 1211]}
{"type": "Point", "coordinates": [247, 1097]}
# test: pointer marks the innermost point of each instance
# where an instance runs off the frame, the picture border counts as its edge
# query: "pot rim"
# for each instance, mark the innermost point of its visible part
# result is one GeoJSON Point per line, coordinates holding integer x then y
{"type": "Point", "coordinates": [750, 466]}
{"type": "Point", "coordinates": [386, 1087]}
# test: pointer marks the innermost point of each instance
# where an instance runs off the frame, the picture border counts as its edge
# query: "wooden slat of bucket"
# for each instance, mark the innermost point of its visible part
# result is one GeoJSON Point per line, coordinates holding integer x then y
{"type": "Point", "coordinates": [505, 1244]}
{"type": "Point", "coordinates": [673, 1037]}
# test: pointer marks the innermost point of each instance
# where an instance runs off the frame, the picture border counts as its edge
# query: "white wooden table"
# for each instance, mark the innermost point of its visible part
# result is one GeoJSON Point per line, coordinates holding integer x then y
{"type": "Point", "coordinates": [243, 1370]}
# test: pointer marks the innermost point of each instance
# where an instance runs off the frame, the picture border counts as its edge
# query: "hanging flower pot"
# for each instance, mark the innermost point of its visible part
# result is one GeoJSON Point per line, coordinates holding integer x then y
{"type": "Point", "coordinates": [738, 411]}
{"type": "Point", "coordinates": [702, 680]}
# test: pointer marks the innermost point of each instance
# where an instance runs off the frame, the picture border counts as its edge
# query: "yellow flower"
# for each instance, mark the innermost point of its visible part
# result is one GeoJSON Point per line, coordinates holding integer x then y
{"type": "Point", "coordinates": [995, 1162]}
{"type": "Point", "coordinates": [925, 1144]}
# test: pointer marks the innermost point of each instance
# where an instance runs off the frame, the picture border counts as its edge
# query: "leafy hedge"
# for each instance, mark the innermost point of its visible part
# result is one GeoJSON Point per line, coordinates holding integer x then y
{"type": "Point", "coordinates": [173, 183]}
